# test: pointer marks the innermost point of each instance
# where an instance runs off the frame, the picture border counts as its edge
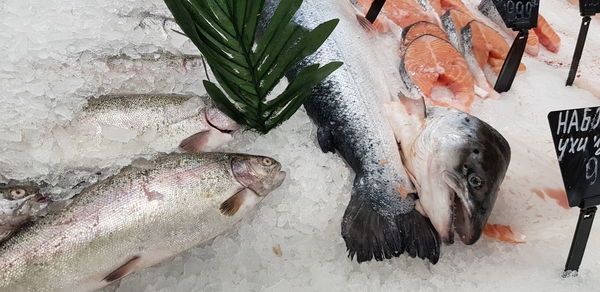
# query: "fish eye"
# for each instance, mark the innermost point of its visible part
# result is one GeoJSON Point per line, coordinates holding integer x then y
{"type": "Point", "coordinates": [18, 193]}
{"type": "Point", "coordinates": [267, 161]}
{"type": "Point", "coordinates": [475, 181]}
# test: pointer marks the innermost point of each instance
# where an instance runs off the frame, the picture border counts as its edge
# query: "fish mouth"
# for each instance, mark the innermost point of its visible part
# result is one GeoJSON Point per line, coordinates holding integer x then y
{"type": "Point", "coordinates": [462, 221]}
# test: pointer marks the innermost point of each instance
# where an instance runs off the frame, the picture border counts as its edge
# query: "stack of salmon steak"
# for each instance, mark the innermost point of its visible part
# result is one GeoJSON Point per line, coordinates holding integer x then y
{"type": "Point", "coordinates": [445, 45]}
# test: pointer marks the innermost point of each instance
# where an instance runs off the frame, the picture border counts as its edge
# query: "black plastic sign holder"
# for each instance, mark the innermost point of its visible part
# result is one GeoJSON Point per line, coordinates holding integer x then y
{"type": "Point", "coordinates": [576, 135]}
{"type": "Point", "coordinates": [520, 16]}
{"type": "Point", "coordinates": [587, 8]}
{"type": "Point", "coordinates": [582, 233]}
{"type": "Point", "coordinates": [375, 9]}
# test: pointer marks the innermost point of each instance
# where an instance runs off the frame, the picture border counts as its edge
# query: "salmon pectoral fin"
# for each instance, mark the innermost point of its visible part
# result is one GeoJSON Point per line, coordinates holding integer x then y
{"type": "Point", "coordinates": [325, 139]}
{"type": "Point", "coordinates": [233, 204]}
{"type": "Point", "coordinates": [122, 271]}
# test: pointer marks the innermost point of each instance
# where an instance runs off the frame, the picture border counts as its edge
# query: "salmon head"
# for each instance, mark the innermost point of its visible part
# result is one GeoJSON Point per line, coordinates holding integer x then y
{"type": "Point", "coordinates": [459, 163]}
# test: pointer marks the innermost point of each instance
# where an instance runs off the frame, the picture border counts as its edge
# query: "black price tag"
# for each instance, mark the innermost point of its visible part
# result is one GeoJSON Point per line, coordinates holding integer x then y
{"type": "Point", "coordinates": [589, 7]}
{"type": "Point", "coordinates": [576, 135]}
{"type": "Point", "coordinates": [519, 14]}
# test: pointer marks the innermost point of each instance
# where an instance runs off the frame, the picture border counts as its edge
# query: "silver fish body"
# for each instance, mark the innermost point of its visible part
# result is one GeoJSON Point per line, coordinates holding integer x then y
{"type": "Point", "coordinates": [136, 219]}
{"type": "Point", "coordinates": [380, 220]}
{"type": "Point", "coordinates": [142, 124]}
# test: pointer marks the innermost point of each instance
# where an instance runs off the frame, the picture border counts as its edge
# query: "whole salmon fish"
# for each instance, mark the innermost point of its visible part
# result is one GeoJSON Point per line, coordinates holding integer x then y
{"type": "Point", "coordinates": [380, 220]}
{"type": "Point", "coordinates": [143, 215]}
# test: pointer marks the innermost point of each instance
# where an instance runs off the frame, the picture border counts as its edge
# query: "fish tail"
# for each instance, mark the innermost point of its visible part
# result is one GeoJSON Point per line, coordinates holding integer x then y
{"type": "Point", "coordinates": [369, 234]}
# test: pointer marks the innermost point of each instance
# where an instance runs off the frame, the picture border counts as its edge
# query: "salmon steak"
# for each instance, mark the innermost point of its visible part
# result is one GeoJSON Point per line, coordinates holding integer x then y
{"type": "Point", "coordinates": [543, 34]}
{"type": "Point", "coordinates": [487, 45]}
{"type": "Point", "coordinates": [547, 36]}
{"type": "Point", "coordinates": [417, 29]}
{"type": "Point", "coordinates": [402, 12]}
{"type": "Point", "coordinates": [430, 62]}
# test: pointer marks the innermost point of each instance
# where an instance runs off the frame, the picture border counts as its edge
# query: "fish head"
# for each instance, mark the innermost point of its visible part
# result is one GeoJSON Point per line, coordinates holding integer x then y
{"type": "Point", "coordinates": [258, 173]}
{"type": "Point", "coordinates": [464, 177]}
{"type": "Point", "coordinates": [13, 192]}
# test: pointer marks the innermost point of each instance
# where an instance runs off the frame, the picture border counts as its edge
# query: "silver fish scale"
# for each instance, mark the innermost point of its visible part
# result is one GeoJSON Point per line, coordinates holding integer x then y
{"type": "Point", "coordinates": [153, 212]}
{"type": "Point", "coordinates": [346, 105]}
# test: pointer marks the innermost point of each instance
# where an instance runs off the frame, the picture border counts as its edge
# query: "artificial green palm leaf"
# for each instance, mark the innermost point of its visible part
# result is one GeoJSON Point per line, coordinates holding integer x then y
{"type": "Point", "coordinates": [247, 71]}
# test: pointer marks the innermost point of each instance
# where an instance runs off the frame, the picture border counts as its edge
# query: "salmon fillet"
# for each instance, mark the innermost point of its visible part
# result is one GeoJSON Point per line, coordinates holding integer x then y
{"type": "Point", "coordinates": [430, 61]}
{"type": "Point", "coordinates": [548, 37]}
{"type": "Point", "coordinates": [442, 6]}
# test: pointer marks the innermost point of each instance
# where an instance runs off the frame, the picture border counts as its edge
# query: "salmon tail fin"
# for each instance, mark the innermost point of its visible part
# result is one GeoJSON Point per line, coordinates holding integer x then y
{"type": "Point", "coordinates": [369, 234]}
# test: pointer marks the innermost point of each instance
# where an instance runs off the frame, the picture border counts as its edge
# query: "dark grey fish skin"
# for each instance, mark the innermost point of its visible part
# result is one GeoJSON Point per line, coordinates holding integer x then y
{"type": "Point", "coordinates": [380, 220]}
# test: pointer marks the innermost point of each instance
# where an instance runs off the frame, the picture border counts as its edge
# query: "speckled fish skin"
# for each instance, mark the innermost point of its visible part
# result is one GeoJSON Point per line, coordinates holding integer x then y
{"type": "Point", "coordinates": [174, 117]}
{"type": "Point", "coordinates": [135, 219]}
{"type": "Point", "coordinates": [380, 220]}
{"type": "Point", "coordinates": [19, 204]}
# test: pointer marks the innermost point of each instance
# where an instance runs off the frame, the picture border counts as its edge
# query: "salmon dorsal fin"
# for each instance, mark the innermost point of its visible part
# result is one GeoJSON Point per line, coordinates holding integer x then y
{"type": "Point", "coordinates": [233, 204]}
{"type": "Point", "coordinates": [123, 270]}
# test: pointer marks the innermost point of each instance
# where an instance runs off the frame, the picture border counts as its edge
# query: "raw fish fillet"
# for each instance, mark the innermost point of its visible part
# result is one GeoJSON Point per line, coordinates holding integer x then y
{"type": "Point", "coordinates": [486, 44]}
{"type": "Point", "coordinates": [543, 34]}
{"type": "Point", "coordinates": [430, 61]}
{"type": "Point", "coordinates": [503, 233]}
{"type": "Point", "coordinates": [547, 36]}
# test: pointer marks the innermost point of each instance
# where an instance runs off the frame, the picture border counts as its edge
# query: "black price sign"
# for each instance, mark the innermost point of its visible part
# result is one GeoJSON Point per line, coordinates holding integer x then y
{"type": "Point", "coordinates": [589, 7]}
{"type": "Point", "coordinates": [576, 135]}
{"type": "Point", "coordinates": [519, 14]}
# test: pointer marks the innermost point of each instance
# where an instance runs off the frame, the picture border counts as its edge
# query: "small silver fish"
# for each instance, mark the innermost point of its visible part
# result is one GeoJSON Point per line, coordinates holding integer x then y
{"type": "Point", "coordinates": [143, 215]}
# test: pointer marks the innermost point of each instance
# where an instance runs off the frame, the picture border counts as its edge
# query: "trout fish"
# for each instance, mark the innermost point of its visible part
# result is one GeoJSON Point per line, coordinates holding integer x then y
{"type": "Point", "coordinates": [143, 123]}
{"type": "Point", "coordinates": [143, 215]}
